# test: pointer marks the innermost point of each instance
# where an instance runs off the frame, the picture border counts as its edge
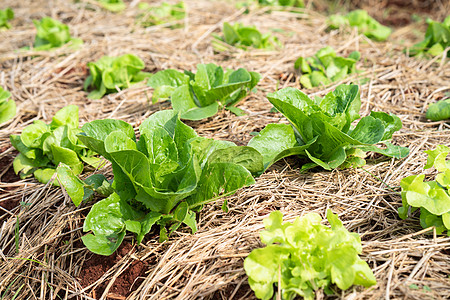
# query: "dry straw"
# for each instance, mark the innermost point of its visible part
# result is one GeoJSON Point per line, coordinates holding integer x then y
{"type": "Point", "coordinates": [209, 264]}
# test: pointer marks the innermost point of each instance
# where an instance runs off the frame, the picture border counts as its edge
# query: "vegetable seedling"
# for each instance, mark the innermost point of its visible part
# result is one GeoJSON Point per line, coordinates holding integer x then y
{"type": "Point", "coordinates": [325, 67]}
{"type": "Point", "coordinates": [200, 95]}
{"type": "Point", "coordinates": [53, 34]}
{"type": "Point", "coordinates": [431, 197]}
{"type": "Point", "coordinates": [361, 20]}
{"type": "Point", "coordinates": [437, 39]}
{"type": "Point", "coordinates": [163, 178]}
{"type": "Point", "coordinates": [321, 130]}
{"type": "Point", "coordinates": [43, 146]}
{"type": "Point", "coordinates": [304, 256]}
{"type": "Point", "coordinates": [7, 107]}
{"type": "Point", "coordinates": [109, 74]}
{"type": "Point", "coordinates": [163, 14]}
{"type": "Point", "coordinates": [243, 37]}
{"type": "Point", "coordinates": [6, 15]}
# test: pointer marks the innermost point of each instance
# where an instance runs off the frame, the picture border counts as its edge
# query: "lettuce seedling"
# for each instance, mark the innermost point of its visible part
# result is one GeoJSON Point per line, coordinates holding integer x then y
{"type": "Point", "coordinates": [6, 15]}
{"type": "Point", "coordinates": [291, 3]}
{"type": "Point", "coordinates": [163, 178]}
{"type": "Point", "coordinates": [198, 96]}
{"type": "Point", "coordinates": [431, 197]}
{"type": "Point", "coordinates": [242, 37]}
{"type": "Point", "coordinates": [365, 24]}
{"type": "Point", "coordinates": [53, 34]}
{"type": "Point", "coordinates": [325, 67]}
{"type": "Point", "coordinates": [43, 146]}
{"type": "Point", "coordinates": [304, 256]}
{"type": "Point", "coordinates": [109, 74]}
{"type": "Point", "coordinates": [439, 111]}
{"type": "Point", "coordinates": [321, 130]}
{"type": "Point", "coordinates": [112, 5]}
{"type": "Point", "coordinates": [7, 107]}
{"type": "Point", "coordinates": [437, 39]}
{"type": "Point", "coordinates": [163, 14]}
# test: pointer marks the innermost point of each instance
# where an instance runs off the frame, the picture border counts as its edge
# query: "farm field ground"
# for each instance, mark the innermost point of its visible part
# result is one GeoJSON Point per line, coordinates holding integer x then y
{"type": "Point", "coordinates": [53, 263]}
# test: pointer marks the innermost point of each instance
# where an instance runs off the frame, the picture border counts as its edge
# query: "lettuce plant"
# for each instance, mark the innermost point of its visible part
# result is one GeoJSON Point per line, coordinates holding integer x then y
{"type": "Point", "coordinates": [325, 67]}
{"type": "Point", "coordinates": [321, 130]}
{"type": "Point", "coordinates": [431, 197]}
{"type": "Point", "coordinates": [439, 111]}
{"type": "Point", "coordinates": [109, 74]}
{"type": "Point", "coordinates": [7, 107]}
{"type": "Point", "coordinates": [53, 34]}
{"type": "Point", "coordinates": [437, 39]}
{"type": "Point", "coordinates": [43, 146]}
{"type": "Point", "coordinates": [112, 5]}
{"type": "Point", "coordinates": [242, 37]}
{"type": "Point", "coordinates": [6, 15]}
{"type": "Point", "coordinates": [365, 24]}
{"type": "Point", "coordinates": [163, 178]}
{"type": "Point", "coordinates": [162, 14]}
{"type": "Point", "coordinates": [304, 256]}
{"type": "Point", "coordinates": [292, 3]}
{"type": "Point", "coordinates": [198, 96]}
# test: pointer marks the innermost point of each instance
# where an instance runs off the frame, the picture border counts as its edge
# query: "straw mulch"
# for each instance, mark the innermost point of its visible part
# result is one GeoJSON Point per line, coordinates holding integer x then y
{"type": "Point", "coordinates": [408, 262]}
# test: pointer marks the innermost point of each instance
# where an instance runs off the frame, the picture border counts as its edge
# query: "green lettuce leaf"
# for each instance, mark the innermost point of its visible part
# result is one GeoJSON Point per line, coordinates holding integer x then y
{"type": "Point", "coordinates": [162, 178]}
{"type": "Point", "coordinates": [304, 256]}
{"type": "Point", "coordinates": [165, 13]}
{"type": "Point", "coordinates": [439, 111]}
{"type": "Point", "coordinates": [53, 34]}
{"type": "Point", "coordinates": [7, 107]}
{"type": "Point", "coordinates": [437, 39]}
{"type": "Point", "coordinates": [321, 130]}
{"type": "Point", "coordinates": [365, 24]}
{"type": "Point", "coordinates": [109, 74]}
{"type": "Point", "coordinates": [6, 15]}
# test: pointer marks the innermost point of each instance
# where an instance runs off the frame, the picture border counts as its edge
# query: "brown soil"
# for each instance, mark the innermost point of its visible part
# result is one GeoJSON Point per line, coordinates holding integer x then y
{"type": "Point", "coordinates": [128, 280]}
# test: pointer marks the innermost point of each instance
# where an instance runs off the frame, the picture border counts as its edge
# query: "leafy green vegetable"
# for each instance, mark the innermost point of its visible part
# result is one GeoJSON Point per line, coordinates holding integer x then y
{"type": "Point", "coordinates": [365, 24]}
{"type": "Point", "coordinates": [437, 39]}
{"type": "Point", "coordinates": [53, 34]}
{"type": "Point", "coordinates": [42, 147]}
{"type": "Point", "coordinates": [431, 197]}
{"type": "Point", "coordinates": [304, 256]}
{"type": "Point", "coordinates": [112, 5]}
{"type": "Point", "coordinates": [6, 15]}
{"type": "Point", "coordinates": [322, 130]}
{"type": "Point", "coordinates": [162, 178]}
{"type": "Point", "coordinates": [162, 14]}
{"type": "Point", "coordinates": [109, 74]}
{"type": "Point", "coordinates": [242, 37]}
{"type": "Point", "coordinates": [439, 111]}
{"type": "Point", "coordinates": [7, 107]}
{"type": "Point", "coordinates": [325, 67]}
{"type": "Point", "coordinates": [292, 3]}
{"type": "Point", "coordinates": [198, 96]}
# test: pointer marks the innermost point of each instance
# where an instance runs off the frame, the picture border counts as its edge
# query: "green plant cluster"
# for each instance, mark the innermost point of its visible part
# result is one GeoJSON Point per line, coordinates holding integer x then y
{"type": "Point", "coordinates": [437, 39]}
{"type": "Point", "coordinates": [325, 67]}
{"type": "Point", "coordinates": [7, 107]}
{"type": "Point", "coordinates": [439, 111]}
{"type": "Point", "coordinates": [43, 146]}
{"type": "Point", "coordinates": [165, 13]}
{"type": "Point", "coordinates": [53, 34]}
{"type": "Point", "coordinates": [321, 130]}
{"type": "Point", "coordinates": [431, 197]}
{"type": "Point", "coordinates": [291, 3]}
{"type": "Point", "coordinates": [109, 74]}
{"type": "Point", "coordinates": [199, 95]}
{"type": "Point", "coordinates": [304, 256]}
{"type": "Point", "coordinates": [365, 24]}
{"type": "Point", "coordinates": [6, 15]}
{"type": "Point", "coordinates": [163, 178]}
{"type": "Point", "coordinates": [112, 5]}
{"type": "Point", "coordinates": [243, 37]}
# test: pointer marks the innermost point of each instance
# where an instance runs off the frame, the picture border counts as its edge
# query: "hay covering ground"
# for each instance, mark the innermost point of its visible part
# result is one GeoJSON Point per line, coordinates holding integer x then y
{"type": "Point", "coordinates": [209, 264]}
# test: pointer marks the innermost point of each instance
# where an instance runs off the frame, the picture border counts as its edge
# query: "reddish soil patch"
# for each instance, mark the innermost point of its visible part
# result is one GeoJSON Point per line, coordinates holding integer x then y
{"type": "Point", "coordinates": [126, 283]}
